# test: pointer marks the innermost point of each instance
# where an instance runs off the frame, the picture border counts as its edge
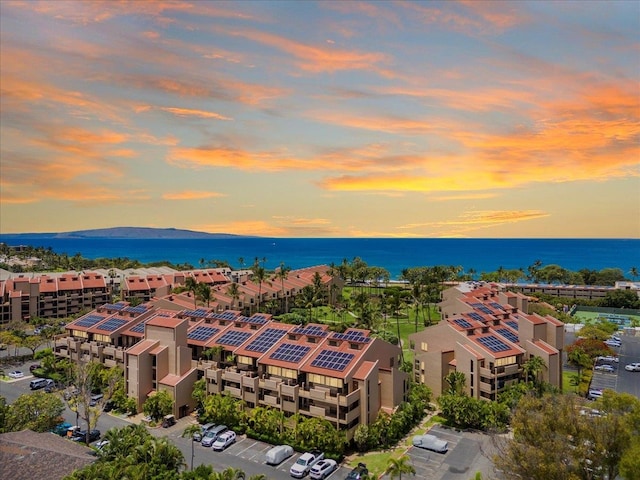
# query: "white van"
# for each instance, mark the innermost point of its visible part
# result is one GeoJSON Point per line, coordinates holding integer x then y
{"type": "Point", "coordinates": [39, 383]}
{"type": "Point", "coordinates": [278, 454]}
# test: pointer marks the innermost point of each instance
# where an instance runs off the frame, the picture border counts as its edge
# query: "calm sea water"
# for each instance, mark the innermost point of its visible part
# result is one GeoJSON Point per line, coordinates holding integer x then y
{"type": "Point", "coordinates": [482, 255]}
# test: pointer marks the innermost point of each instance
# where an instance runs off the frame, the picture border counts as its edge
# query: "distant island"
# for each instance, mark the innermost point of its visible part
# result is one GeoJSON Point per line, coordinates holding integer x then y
{"type": "Point", "coordinates": [127, 232]}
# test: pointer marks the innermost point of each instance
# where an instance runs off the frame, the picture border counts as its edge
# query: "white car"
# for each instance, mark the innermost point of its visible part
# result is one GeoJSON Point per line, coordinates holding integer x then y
{"type": "Point", "coordinates": [430, 442]}
{"type": "Point", "coordinates": [304, 464]}
{"type": "Point", "coordinates": [608, 358]}
{"type": "Point", "coordinates": [323, 469]}
{"type": "Point", "coordinates": [632, 367]}
{"type": "Point", "coordinates": [224, 440]}
{"type": "Point", "coordinates": [605, 368]}
{"type": "Point", "coordinates": [613, 343]}
{"type": "Point", "coordinates": [594, 394]}
{"type": "Point", "coordinates": [16, 374]}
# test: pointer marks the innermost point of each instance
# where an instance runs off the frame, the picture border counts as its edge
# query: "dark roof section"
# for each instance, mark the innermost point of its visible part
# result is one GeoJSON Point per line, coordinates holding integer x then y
{"type": "Point", "coordinates": [28, 455]}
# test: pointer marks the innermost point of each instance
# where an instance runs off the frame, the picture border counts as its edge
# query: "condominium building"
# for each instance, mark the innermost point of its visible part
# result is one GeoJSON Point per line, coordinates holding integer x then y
{"type": "Point", "coordinates": [486, 334]}
{"type": "Point", "coordinates": [346, 378]}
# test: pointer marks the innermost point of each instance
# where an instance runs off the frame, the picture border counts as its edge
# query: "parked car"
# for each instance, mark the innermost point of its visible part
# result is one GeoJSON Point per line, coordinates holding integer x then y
{"type": "Point", "coordinates": [70, 393]}
{"type": "Point", "coordinates": [212, 435]}
{"type": "Point", "coordinates": [81, 435]}
{"type": "Point", "coordinates": [197, 437]}
{"type": "Point", "coordinates": [613, 343]}
{"type": "Point", "coordinates": [430, 442]}
{"type": "Point", "coordinates": [224, 440]}
{"type": "Point", "coordinates": [16, 374]}
{"type": "Point", "coordinates": [95, 399]}
{"type": "Point", "coordinates": [278, 454]}
{"type": "Point", "coordinates": [34, 366]}
{"type": "Point", "coordinates": [61, 429]}
{"type": "Point", "coordinates": [323, 469]}
{"type": "Point", "coordinates": [358, 472]}
{"type": "Point", "coordinates": [605, 368]}
{"type": "Point", "coordinates": [39, 383]}
{"type": "Point", "coordinates": [608, 358]}
{"type": "Point", "coordinates": [305, 463]}
{"type": "Point", "coordinates": [594, 394]}
{"type": "Point", "coordinates": [632, 367]}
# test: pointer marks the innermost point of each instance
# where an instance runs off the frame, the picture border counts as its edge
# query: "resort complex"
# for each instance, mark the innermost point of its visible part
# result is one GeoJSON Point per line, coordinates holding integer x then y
{"type": "Point", "coordinates": [168, 344]}
{"type": "Point", "coordinates": [486, 335]}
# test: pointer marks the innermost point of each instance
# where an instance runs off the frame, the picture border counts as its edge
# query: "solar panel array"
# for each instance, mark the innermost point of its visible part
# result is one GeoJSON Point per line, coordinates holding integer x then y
{"type": "Point", "coordinates": [224, 316]}
{"type": "Point", "coordinates": [496, 305]}
{"type": "Point", "coordinates": [199, 313]}
{"type": "Point", "coordinates": [139, 328]}
{"type": "Point", "coordinates": [311, 331]}
{"type": "Point", "coordinates": [476, 316]}
{"type": "Point", "coordinates": [258, 319]}
{"type": "Point", "coordinates": [508, 334]}
{"type": "Point", "coordinates": [89, 321]}
{"type": "Point", "coordinates": [114, 306]}
{"type": "Point", "coordinates": [266, 340]}
{"type": "Point", "coordinates": [136, 309]}
{"type": "Point", "coordinates": [288, 352]}
{"type": "Point", "coordinates": [494, 344]}
{"type": "Point", "coordinates": [461, 322]}
{"type": "Point", "coordinates": [112, 324]}
{"type": "Point", "coordinates": [332, 360]}
{"type": "Point", "coordinates": [202, 333]}
{"type": "Point", "coordinates": [484, 309]}
{"type": "Point", "coordinates": [233, 338]}
{"type": "Point", "coordinates": [513, 324]}
{"type": "Point", "coordinates": [352, 336]}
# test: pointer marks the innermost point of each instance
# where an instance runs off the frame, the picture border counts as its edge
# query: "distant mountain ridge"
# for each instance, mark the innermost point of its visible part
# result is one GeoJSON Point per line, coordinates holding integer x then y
{"type": "Point", "coordinates": [130, 232]}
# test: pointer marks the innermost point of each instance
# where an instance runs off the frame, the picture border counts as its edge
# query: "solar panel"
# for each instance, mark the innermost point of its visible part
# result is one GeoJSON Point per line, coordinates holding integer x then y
{"type": "Point", "coordinates": [112, 324]}
{"type": "Point", "coordinates": [352, 336]}
{"type": "Point", "coordinates": [139, 328]}
{"type": "Point", "coordinates": [256, 319]}
{"type": "Point", "coordinates": [332, 360]}
{"type": "Point", "coordinates": [199, 313]}
{"type": "Point", "coordinates": [136, 309]}
{"type": "Point", "coordinates": [508, 334]}
{"type": "Point", "coordinates": [114, 306]}
{"type": "Point", "coordinates": [202, 333]}
{"type": "Point", "coordinates": [476, 316]}
{"type": "Point", "coordinates": [312, 331]}
{"type": "Point", "coordinates": [485, 309]}
{"type": "Point", "coordinates": [461, 322]}
{"type": "Point", "coordinates": [233, 338]}
{"type": "Point", "coordinates": [496, 305]}
{"type": "Point", "coordinates": [512, 324]}
{"type": "Point", "coordinates": [288, 352]}
{"type": "Point", "coordinates": [494, 344]}
{"type": "Point", "coordinates": [88, 321]}
{"type": "Point", "coordinates": [266, 340]}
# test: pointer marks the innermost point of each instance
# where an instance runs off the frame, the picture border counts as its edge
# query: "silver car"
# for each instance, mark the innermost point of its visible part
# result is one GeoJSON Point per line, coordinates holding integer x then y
{"type": "Point", "coordinates": [431, 442]}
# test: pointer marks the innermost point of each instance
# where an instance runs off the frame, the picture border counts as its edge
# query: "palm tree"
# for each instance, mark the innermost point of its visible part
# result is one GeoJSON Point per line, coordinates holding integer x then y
{"type": "Point", "coordinates": [534, 367]}
{"type": "Point", "coordinates": [230, 473]}
{"type": "Point", "coordinates": [456, 381]}
{"type": "Point", "coordinates": [397, 466]}
{"type": "Point", "coordinates": [259, 275]}
{"type": "Point", "coordinates": [189, 432]}
{"type": "Point", "coordinates": [234, 292]}
{"type": "Point", "coordinates": [282, 274]}
{"type": "Point", "coordinates": [191, 286]}
{"type": "Point", "coordinates": [204, 292]}
{"type": "Point", "coordinates": [634, 273]}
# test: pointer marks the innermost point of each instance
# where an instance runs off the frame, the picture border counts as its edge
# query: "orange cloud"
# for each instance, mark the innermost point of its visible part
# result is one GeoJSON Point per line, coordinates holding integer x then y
{"type": "Point", "coordinates": [317, 59]}
{"type": "Point", "coordinates": [192, 195]}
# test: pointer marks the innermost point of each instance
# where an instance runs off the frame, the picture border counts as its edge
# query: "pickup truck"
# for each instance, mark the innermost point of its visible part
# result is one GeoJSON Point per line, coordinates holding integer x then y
{"type": "Point", "coordinates": [304, 463]}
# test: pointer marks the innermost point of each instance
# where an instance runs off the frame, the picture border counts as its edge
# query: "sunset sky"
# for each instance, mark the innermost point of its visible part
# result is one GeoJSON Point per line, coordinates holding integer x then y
{"type": "Point", "coordinates": [322, 119]}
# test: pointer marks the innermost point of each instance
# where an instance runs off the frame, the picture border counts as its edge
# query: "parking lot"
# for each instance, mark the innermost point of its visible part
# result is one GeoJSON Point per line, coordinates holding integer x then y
{"type": "Point", "coordinates": [247, 454]}
{"type": "Point", "coordinates": [468, 453]}
{"type": "Point", "coordinates": [621, 380]}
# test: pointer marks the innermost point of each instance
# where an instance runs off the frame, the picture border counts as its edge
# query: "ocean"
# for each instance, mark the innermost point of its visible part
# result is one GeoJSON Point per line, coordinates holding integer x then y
{"type": "Point", "coordinates": [481, 255]}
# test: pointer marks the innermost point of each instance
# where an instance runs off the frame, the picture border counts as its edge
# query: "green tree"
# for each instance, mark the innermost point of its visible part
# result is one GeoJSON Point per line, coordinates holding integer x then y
{"type": "Point", "coordinates": [457, 382]}
{"type": "Point", "coordinates": [259, 276]}
{"type": "Point", "coordinates": [397, 466]}
{"type": "Point", "coordinates": [621, 299]}
{"type": "Point", "coordinates": [158, 405]}
{"type": "Point", "coordinates": [234, 292]}
{"type": "Point", "coordinates": [191, 285]}
{"type": "Point", "coordinates": [189, 432]}
{"type": "Point", "coordinates": [38, 411]}
{"type": "Point", "coordinates": [282, 274]}
{"type": "Point", "coordinates": [533, 367]}
{"type": "Point", "coordinates": [224, 409]}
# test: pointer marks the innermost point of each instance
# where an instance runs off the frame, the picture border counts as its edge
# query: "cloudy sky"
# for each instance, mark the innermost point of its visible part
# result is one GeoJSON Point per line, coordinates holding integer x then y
{"type": "Point", "coordinates": [322, 119]}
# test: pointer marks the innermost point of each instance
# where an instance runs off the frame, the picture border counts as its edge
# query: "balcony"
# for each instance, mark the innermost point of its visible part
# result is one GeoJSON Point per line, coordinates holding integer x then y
{"type": "Point", "coordinates": [270, 384]}
{"type": "Point", "coordinates": [352, 415]}
{"type": "Point", "coordinates": [347, 400]}
{"type": "Point", "coordinates": [271, 400]}
{"type": "Point", "coordinates": [289, 406]}
{"type": "Point", "coordinates": [232, 376]}
{"type": "Point", "coordinates": [110, 363]}
{"type": "Point", "coordinates": [289, 390]}
{"type": "Point", "coordinates": [316, 411]}
{"type": "Point", "coordinates": [233, 391]}
{"type": "Point", "coordinates": [318, 394]}
{"type": "Point", "coordinates": [250, 381]}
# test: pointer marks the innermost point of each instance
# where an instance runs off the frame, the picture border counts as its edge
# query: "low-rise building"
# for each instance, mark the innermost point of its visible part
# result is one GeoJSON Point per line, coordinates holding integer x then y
{"type": "Point", "coordinates": [486, 334]}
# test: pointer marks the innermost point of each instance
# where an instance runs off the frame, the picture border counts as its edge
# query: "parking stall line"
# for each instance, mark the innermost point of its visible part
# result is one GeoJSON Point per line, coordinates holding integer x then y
{"type": "Point", "coordinates": [240, 453]}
